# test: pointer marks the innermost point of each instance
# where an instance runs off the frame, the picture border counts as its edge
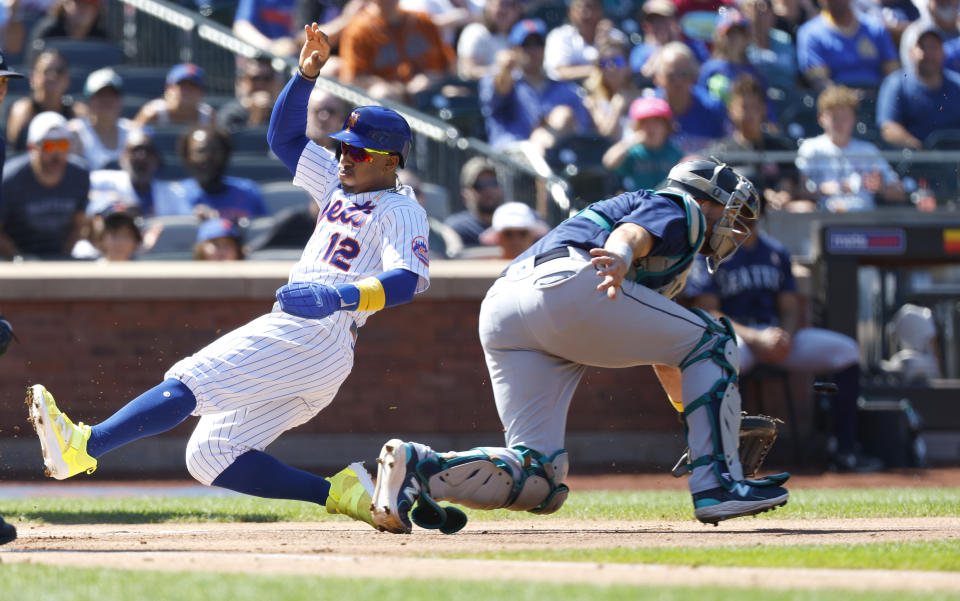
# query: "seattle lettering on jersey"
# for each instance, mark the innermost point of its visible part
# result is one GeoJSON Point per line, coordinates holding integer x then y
{"type": "Point", "coordinates": [748, 277]}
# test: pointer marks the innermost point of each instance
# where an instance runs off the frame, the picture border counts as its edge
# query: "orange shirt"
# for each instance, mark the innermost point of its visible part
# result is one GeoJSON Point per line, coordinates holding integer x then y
{"type": "Point", "coordinates": [369, 46]}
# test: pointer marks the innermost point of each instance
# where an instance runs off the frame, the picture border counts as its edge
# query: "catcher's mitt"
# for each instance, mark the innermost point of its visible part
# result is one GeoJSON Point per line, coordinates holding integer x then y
{"type": "Point", "coordinates": [757, 435]}
{"type": "Point", "coordinates": [6, 334]}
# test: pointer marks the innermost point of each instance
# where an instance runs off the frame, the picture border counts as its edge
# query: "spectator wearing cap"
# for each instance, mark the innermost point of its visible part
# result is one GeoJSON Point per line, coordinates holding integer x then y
{"type": "Point", "coordinates": [643, 160]}
{"type": "Point", "coordinates": [218, 239]}
{"type": "Point", "coordinates": [135, 183]}
{"type": "Point", "coordinates": [267, 25]}
{"type": "Point", "coordinates": [570, 50]}
{"type": "Point", "coordinates": [514, 228]}
{"type": "Point", "coordinates": [730, 41]}
{"type": "Point", "coordinates": [182, 102]}
{"type": "Point", "coordinates": [841, 47]}
{"type": "Point", "coordinates": [700, 117]}
{"type": "Point", "coordinates": [777, 183]}
{"type": "Point", "coordinates": [941, 16]}
{"type": "Point", "coordinates": [205, 154]}
{"type": "Point", "coordinates": [44, 194]}
{"type": "Point", "coordinates": [660, 27]}
{"type": "Point", "coordinates": [772, 51]}
{"type": "Point", "coordinates": [49, 79]}
{"type": "Point", "coordinates": [915, 102]}
{"type": "Point", "coordinates": [257, 87]}
{"type": "Point", "coordinates": [101, 133]}
{"type": "Point", "coordinates": [479, 42]}
{"type": "Point", "coordinates": [610, 89]}
{"type": "Point", "coordinates": [393, 52]}
{"type": "Point", "coordinates": [482, 193]}
{"type": "Point", "coordinates": [519, 96]}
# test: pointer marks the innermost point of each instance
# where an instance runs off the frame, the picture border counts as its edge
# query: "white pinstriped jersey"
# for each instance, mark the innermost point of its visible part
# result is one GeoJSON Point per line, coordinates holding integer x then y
{"type": "Point", "coordinates": [358, 235]}
{"type": "Point", "coordinates": [279, 370]}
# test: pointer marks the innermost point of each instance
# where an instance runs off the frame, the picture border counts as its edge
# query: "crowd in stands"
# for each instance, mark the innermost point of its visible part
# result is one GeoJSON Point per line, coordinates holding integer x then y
{"type": "Point", "coordinates": [642, 84]}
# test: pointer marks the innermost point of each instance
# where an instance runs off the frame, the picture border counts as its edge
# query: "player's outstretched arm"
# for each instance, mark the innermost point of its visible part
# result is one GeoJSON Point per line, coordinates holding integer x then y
{"type": "Point", "coordinates": [288, 121]}
{"type": "Point", "coordinates": [312, 300]}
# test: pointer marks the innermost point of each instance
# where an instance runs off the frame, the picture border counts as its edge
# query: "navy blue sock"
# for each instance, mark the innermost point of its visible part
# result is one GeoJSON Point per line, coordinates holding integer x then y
{"type": "Point", "coordinates": [256, 473]}
{"type": "Point", "coordinates": [156, 410]}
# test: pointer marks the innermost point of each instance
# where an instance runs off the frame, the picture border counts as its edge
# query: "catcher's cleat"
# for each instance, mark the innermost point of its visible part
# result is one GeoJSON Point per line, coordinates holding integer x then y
{"type": "Point", "coordinates": [64, 445]}
{"type": "Point", "coordinates": [397, 487]}
{"type": "Point", "coordinates": [351, 491]}
{"type": "Point", "coordinates": [718, 504]}
{"type": "Point", "coordinates": [7, 532]}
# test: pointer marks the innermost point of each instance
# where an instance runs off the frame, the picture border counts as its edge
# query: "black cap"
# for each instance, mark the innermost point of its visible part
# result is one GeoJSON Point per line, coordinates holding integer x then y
{"type": "Point", "coordinates": [5, 70]}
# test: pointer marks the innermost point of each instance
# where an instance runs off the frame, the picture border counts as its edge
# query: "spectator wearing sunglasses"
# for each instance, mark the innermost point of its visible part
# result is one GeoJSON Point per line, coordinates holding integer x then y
{"type": "Point", "coordinates": [49, 80]}
{"type": "Point", "coordinates": [257, 87]}
{"type": "Point", "coordinates": [482, 193]}
{"type": "Point", "coordinates": [518, 96]}
{"type": "Point", "coordinates": [44, 194]}
{"type": "Point", "coordinates": [611, 88]}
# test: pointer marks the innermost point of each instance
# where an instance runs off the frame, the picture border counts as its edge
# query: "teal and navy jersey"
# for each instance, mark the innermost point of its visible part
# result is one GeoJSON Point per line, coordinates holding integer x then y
{"type": "Point", "coordinates": [748, 283]}
{"type": "Point", "coordinates": [664, 217]}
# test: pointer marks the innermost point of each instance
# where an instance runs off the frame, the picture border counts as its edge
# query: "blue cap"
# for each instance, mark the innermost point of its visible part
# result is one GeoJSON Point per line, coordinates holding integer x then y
{"type": "Point", "coordinates": [185, 72]}
{"type": "Point", "coordinates": [217, 228]}
{"type": "Point", "coordinates": [377, 128]}
{"type": "Point", "coordinates": [526, 28]}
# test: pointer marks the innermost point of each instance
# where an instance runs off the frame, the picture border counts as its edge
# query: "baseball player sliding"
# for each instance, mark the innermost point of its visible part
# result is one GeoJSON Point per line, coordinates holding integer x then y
{"type": "Point", "coordinates": [596, 291]}
{"type": "Point", "coordinates": [368, 251]}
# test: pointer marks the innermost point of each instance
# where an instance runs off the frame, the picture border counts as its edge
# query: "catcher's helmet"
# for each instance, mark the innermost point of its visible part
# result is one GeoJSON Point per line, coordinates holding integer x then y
{"type": "Point", "coordinates": [710, 180]}
{"type": "Point", "coordinates": [377, 128]}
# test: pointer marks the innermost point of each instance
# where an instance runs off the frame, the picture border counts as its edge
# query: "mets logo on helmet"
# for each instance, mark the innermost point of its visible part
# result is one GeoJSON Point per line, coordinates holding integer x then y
{"type": "Point", "coordinates": [421, 250]}
{"type": "Point", "coordinates": [352, 121]}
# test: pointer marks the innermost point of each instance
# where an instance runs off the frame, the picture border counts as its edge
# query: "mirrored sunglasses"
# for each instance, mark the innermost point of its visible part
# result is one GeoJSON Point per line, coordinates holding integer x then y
{"type": "Point", "coordinates": [55, 145]}
{"type": "Point", "coordinates": [358, 154]}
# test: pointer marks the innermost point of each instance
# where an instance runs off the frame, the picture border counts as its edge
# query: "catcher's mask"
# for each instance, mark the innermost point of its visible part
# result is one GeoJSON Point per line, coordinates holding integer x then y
{"type": "Point", "coordinates": [715, 181]}
{"type": "Point", "coordinates": [376, 128]}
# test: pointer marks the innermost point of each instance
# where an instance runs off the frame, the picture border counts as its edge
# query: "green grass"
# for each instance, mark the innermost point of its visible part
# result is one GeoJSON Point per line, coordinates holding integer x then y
{"type": "Point", "coordinates": [943, 555]}
{"type": "Point", "coordinates": [45, 583]}
{"type": "Point", "coordinates": [587, 506]}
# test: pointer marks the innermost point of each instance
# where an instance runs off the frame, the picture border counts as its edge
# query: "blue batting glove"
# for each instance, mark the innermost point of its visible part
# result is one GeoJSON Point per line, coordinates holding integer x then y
{"type": "Point", "coordinates": [309, 300]}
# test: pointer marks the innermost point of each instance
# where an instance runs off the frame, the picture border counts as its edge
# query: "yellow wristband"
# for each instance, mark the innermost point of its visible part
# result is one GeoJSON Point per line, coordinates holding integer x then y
{"type": "Point", "coordinates": [372, 295]}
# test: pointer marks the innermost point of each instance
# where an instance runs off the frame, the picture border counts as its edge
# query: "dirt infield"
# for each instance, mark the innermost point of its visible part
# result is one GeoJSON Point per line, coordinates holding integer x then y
{"type": "Point", "coordinates": [345, 548]}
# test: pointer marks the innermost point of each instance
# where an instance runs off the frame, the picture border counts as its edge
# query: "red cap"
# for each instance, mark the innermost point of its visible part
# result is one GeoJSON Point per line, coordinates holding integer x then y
{"type": "Point", "coordinates": [647, 107]}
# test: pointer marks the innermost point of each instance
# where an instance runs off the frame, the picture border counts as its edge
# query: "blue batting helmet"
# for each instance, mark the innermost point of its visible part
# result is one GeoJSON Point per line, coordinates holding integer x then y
{"type": "Point", "coordinates": [377, 128]}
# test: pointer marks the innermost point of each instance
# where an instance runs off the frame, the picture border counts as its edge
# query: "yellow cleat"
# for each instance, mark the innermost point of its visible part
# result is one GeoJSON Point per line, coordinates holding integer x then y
{"type": "Point", "coordinates": [64, 444]}
{"type": "Point", "coordinates": [351, 493]}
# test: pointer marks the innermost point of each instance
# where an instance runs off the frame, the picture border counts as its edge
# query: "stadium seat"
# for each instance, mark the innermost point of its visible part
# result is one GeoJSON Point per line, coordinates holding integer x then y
{"type": "Point", "coordinates": [280, 195]}
{"type": "Point", "coordinates": [799, 117]}
{"type": "Point", "coordinates": [175, 237]}
{"type": "Point", "coordinates": [943, 139]}
{"type": "Point", "coordinates": [250, 141]}
{"type": "Point", "coordinates": [455, 101]}
{"type": "Point", "coordinates": [142, 81]}
{"type": "Point", "coordinates": [577, 158]}
{"type": "Point", "coordinates": [258, 168]}
{"type": "Point", "coordinates": [86, 55]}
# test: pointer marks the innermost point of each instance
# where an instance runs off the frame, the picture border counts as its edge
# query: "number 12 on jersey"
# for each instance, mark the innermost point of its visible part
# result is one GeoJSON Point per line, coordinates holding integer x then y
{"type": "Point", "coordinates": [341, 251]}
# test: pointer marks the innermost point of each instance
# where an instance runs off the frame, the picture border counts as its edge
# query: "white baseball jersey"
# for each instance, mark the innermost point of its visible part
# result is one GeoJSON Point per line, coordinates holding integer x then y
{"type": "Point", "coordinates": [279, 370]}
